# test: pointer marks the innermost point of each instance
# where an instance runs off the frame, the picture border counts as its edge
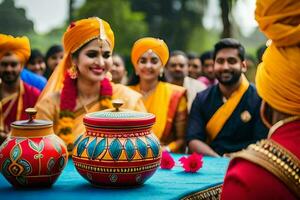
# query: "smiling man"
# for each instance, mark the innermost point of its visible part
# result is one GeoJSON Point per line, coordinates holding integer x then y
{"type": "Point", "coordinates": [15, 95]}
{"type": "Point", "coordinates": [176, 72]}
{"type": "Point", "coordinates": [225, 117]}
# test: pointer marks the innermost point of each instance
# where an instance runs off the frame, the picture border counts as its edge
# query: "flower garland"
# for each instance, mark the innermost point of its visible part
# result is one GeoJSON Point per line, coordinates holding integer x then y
{"type": "Point", "coordinates": [68, 103]}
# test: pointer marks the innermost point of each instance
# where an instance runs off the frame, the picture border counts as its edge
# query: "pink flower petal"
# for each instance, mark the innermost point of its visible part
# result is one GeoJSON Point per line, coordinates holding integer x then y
{"type": "Point", "coordinates": [167, 162]}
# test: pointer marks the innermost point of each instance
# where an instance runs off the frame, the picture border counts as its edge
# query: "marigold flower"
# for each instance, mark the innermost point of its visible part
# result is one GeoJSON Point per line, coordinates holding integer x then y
{"type": "Point", "coordinates": [68, 138]}
{"type": "Point", "coordinates": [68, 103]}
{"type": "Point", "coordinates": [64, 124]}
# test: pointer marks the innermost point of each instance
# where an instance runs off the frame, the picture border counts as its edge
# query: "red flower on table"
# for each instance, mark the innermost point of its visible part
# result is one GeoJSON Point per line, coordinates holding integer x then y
{"type": "Point", "coordinates": [167, 162]}
{"type": "Point", "coordinates": [192, 163]}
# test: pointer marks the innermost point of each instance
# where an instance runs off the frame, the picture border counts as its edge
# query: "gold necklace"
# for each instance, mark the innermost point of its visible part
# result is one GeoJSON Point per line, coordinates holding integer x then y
{"type": "Point", "coordinates": [281, 123]}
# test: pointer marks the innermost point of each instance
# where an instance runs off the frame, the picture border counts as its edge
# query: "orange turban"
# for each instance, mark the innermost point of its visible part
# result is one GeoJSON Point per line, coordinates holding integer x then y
{"type": "Point", "coordinates": [144, 44]}
{"type": "Point", "coordinates": [78, 34]}
{"type": "Point", "coordinates": [279, 20]}
{"type": "Point", "coordinates": [85, 30]}
{"type": "Point", "coordinates": [17, 45]}
{"type": "Point", "coordinates": [278, 75]}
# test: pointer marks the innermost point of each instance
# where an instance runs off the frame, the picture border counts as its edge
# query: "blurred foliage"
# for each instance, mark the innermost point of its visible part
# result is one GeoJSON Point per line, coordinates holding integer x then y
{"type": "Point", "coordinates": [172, 20]}
{"type": "Point", "coordinates": [17, 24]}
{"type": "Point", "coordinates": [201, 40]}
{"type": "Point", "coordinates": [178, 22]}
{"type": "Point", "coordinates": [13, 20]}
{"type": "Point", "coordinates": [44, 41]}
{"type": "Point", "coordinates": [127, 25]}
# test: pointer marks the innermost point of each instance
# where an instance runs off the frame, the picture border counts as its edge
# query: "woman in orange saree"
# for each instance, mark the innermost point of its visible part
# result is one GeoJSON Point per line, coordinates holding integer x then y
{"type": "Point", "coordinates": [79, 83]}
{"type": "Point", "coordinates": [167, 101]}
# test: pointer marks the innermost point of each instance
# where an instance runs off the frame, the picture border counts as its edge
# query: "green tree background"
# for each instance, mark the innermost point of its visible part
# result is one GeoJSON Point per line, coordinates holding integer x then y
{"type": "Point", "coordinates": [13, 20]}
{"type": "Point", "coordinates": [126, 24]}
{"type": "Point", "coordinates": [178, 22]}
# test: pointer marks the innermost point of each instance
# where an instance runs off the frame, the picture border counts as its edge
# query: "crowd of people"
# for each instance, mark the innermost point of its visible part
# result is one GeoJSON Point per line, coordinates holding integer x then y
{"type": "Point", "coordinates": [70, 81]}
{"type": "Point", "coordinates": [202, 103]}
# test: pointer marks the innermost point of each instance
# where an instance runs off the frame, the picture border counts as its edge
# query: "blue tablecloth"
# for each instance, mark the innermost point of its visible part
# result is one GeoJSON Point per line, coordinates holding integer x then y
{"type": "Point", "coordinates": [164, 184]}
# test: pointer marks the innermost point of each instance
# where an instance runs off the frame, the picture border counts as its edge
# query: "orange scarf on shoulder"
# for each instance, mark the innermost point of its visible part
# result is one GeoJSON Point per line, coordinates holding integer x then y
{"type": "Point", "coordinates": [218, 120]}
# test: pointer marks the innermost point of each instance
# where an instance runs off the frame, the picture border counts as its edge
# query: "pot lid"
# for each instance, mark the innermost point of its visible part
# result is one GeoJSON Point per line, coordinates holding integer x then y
{"type": "Point", "coordinates": [31, 123]}
{"type": "Point", "coordinates": [118, 117]}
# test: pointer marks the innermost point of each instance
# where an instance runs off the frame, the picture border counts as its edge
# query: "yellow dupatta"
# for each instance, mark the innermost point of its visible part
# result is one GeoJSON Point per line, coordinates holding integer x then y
{"type": "Point", "coordinates": [217, 121]}
{"type": "Point", "coordinates": [79, 115]}
{"type": "Point", "coordinates": [48, 108]}
{"type": "Point", "coordinates": [157, 103]}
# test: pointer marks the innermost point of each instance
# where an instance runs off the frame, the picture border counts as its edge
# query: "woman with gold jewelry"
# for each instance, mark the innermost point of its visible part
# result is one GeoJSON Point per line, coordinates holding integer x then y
{"type": "Point", "coordinates": [167, 101]}
{"type": "Point", "coordinates": [79, 84]}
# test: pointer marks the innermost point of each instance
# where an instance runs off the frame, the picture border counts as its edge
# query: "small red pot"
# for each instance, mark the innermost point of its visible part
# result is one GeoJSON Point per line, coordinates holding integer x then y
{"type": "Point", "coordinates": [32, 156]}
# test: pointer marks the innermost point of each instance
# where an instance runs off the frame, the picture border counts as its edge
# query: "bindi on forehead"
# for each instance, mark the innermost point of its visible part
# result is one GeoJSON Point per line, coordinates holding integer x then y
{"type": "Point", "coordinates": [100, 43]}
{"type": "Point", "coordinates": [103, 45]}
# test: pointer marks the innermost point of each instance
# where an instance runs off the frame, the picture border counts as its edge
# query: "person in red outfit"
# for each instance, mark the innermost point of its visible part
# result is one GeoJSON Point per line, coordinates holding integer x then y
{"type": "Point", "coordinates": [270, 169]}
{"type": "Point", "coordinates": [15, 95]}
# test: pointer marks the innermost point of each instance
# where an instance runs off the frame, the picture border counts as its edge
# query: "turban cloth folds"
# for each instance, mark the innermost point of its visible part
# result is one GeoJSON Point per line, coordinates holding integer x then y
{"type": "Point", "coordinates": [159, 47]}
{"type": "Point", "coordinates": [278, 75]}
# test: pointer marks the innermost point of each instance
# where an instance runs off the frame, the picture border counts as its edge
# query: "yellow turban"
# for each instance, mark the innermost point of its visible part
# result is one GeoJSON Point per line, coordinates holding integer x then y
{"type": "Point", "coordinates": [278, 75]}
{"type": "Point", "coordinates": [144, 44]}
{"type": "Point", "coordinates": [17, 45]}
{"type": "Point", "coordinates": [279, 20]}
{"type": "Point", "coordinates": [85, 30]}
{"type": "Point", "coordinates": [78, 34]}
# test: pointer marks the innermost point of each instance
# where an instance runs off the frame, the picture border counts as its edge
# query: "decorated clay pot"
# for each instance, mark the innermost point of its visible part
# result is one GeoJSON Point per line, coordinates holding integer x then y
{"type": "Point", "coordinates": [32, 155]}
{"type": "Point", "coordinates": [118, 148]}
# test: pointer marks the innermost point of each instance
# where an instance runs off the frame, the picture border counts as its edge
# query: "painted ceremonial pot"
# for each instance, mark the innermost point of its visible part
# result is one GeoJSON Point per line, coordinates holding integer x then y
{"type": "Point", "coordinates": [32, 156]}
{"type": "Point", "coordinates": [118, 148]}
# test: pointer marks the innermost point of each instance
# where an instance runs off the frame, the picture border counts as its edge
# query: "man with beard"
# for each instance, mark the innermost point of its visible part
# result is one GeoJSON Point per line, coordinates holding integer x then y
{"type": "Point", "coordinates": [225, 117]}
{"type": "Point", "coordinates": [15, 95]}
{"type": "Point", "coordinates": [177, 73]}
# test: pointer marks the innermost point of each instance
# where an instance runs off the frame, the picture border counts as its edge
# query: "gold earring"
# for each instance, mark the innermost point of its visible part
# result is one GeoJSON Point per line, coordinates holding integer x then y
{"type": "Point", "coordinates": [73, 72]}
{"type": "Point", "coordinates": [161, 72]}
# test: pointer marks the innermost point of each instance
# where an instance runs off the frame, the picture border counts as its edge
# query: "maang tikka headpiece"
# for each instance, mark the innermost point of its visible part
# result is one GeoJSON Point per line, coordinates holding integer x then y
{"type": "Point", "coordinates": [102, 33]}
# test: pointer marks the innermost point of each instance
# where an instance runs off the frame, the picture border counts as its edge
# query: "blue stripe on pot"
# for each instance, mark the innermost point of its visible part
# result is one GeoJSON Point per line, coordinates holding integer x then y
{"type": "Point", "coordinates": [82, 145]}
{"type": "Point", "coordinates": [142, 147]}
{"type": "Point", "coordinates": [153, 145]}
{"type": "Point", "coordinates": [77, 140]}
{"type": "Point", "coordinates": [91, 147]}
{"type": "Point", "coordinates": [115, 149]}
{"type": "Point", "coordinates": [129, 148]}
{"type": "Point", "coordinates": [99, 148]}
